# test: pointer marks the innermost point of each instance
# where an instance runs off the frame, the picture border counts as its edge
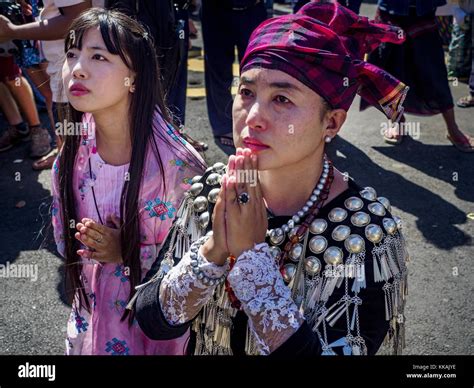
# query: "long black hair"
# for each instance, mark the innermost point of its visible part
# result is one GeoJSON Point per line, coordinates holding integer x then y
{"type": "Point", "coordinates": [125, 37]}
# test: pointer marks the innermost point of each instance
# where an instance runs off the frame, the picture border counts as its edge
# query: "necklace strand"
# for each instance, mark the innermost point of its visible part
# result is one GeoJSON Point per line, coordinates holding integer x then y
{"type": "Point", "coordinates": [314, 198]}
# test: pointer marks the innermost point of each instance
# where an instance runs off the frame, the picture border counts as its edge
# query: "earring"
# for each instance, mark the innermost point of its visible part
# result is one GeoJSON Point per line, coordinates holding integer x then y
{"type": "Point", "coordinates": [328, 139]}
{"type": "Point", "coordinates": [132, 89]}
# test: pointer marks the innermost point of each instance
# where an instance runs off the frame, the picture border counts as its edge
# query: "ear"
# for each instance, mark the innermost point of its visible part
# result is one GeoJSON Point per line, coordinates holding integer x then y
{"type": "Point", "coordinates": [333, 122]}
{"type": "Point", "coordinates": [129, 82]}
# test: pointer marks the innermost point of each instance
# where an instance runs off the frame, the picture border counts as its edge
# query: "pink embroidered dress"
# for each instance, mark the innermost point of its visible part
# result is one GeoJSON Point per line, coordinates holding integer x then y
{"type": "Point", "coordinates": [107, 284]}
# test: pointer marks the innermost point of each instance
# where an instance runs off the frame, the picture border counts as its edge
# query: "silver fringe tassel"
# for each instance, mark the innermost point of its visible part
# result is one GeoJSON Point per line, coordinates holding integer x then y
{"type": "Point", "coordinates": [213, 325]}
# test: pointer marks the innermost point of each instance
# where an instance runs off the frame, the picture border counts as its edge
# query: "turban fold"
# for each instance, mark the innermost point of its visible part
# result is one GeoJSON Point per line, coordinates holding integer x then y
{"type": "Point", "coordinates": [323, 46]}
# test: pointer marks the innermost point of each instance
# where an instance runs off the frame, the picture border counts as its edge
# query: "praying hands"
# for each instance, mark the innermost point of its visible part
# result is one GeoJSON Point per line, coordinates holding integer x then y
{"type": "Point", "coordinates": [239, 218]}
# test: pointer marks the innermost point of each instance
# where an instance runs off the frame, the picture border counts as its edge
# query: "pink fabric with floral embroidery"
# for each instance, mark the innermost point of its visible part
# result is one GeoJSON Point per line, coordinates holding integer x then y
{"type": "Point", "coordinates": [107, 285]}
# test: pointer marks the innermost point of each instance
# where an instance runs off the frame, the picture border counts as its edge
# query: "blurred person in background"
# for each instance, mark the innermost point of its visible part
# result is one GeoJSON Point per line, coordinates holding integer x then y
{"type": "Point", "coordinates": [429, 92]}
{"type": "Point", "coordinates": [226, 24]}
{"type": "Point", "coordinates": [51, 28]}
{"type": "Point", "coordinates": [467, 24]}
{"type": "Point", "coordinates": [16, 93]}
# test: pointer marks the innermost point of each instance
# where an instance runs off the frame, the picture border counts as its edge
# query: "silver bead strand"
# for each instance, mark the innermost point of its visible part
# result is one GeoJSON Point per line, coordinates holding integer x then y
{"type": "Point", "coordinates": [300, 214]}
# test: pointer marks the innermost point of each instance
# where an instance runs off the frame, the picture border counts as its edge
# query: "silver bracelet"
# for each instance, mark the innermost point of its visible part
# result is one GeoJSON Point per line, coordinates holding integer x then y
{"type": "Point", "coordinates": [196, 261]}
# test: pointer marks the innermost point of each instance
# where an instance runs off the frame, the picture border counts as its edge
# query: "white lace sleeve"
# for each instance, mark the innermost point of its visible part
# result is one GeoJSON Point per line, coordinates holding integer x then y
{"type": "Point", "coordinates": [258, 284]}
{"type": "Point", "coordinates": [183, 292]}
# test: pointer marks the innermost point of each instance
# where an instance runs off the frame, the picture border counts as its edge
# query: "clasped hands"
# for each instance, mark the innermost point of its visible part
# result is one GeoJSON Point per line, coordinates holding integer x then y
{"type": "Point", "coordinates": [102, 242]}
{"type": "Point", "coordinates": [237, 226]}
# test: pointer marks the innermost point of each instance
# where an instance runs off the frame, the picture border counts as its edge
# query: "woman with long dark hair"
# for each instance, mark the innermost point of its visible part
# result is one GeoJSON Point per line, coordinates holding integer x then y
{"type": "Point", "coordinates": [117, 181]}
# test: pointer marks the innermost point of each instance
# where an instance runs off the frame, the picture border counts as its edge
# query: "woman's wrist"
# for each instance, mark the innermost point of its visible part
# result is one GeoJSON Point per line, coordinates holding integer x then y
{"type": "Point", "coordinates": [213, 254]}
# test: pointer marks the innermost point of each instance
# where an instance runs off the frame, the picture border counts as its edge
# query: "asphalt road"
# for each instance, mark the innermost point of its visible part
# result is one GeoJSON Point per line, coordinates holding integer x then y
{"type": "Point", "coordinates": [429, 182]}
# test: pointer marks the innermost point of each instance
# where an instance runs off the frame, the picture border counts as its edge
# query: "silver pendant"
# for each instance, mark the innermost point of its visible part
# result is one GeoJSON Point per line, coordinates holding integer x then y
{"type": "Point", "coordinates": [213, 194]}
{"type": "Point", "coordinates": [318, 226]}
{"type": "Point", "coordinates": [341, 232]}
{"type": "Point", "coordinates": [377, 275]}
{"type": "Point", "coordinates": [318, 244]}
{"type": "Point", "coordinates": [312, 265]}
{"type": "Point", "coordinates": [204, 220]}
{"type": "Point", "coordinates": [288, 272]}
{"type": "Point", "coordinates": [200, 204]}
{"type": "Point", "coordinates": [328, 288]}
{"type": "Point", "coordinates": [196, 179]}
{"type": "Point", "coordinates": [385, 202]}
{"type": "Point", "coordinates": [354, 243]}
{"type": "Point", "coordinates": [277, 236]}
{"type": "Point", "coordinates": [377, 208]}
{"type": "Point", "coordinates": [213, 179]}
{"type": "Point", "coordinates": [353, 204]}
{"type": "Point", "coordinates": [339, 343]}
{"type": "Point", "coordinates": [336, 314]}
{"type": "Point", "coordinates": [333, 256]}
{"type": "Point", "coordinates": [373, 233]}
{"type": "Point", "coordinates": [389, 225]}
{"type": "Point", "coordinates": [296, 252]}
{"type": "Point", "coordinates": [328, 352]}
{"type": "Point", "coordinates": [359, 281]}
{"type": "Point", "coordinates": [337, 214]}
{"type": "Point", "coordinates": [369, 193]}
{"type": "Point", "coordinates": [360, 219]}
{"type": "Point", "coordinates": [356, 350]}
{"type": "Point", "coordinates": [196, 189]}
{"type": "Point", "coordinates": [384, 268]}
{"type": "Point", "coordinates": [398, 221]}
{"type": "Point", "coordinates": [219, 167]}
{"type": "Point", "coordinates": [347, 350]}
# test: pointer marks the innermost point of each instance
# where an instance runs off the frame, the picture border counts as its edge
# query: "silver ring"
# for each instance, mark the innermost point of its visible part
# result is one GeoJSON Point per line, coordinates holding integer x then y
{"type": "Point", "coordinates": [243, 198]}
{"type": "Point", "coordinates": [99, 240]}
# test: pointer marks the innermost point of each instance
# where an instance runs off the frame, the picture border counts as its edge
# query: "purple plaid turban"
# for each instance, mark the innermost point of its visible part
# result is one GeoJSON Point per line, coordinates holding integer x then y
{"type": "Point", "coordinates": [323, 46]}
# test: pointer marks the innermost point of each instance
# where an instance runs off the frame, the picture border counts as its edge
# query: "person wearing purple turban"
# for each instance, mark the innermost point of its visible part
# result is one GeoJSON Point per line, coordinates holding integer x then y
{"type": "Point", "coordinates": [277, 252]}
